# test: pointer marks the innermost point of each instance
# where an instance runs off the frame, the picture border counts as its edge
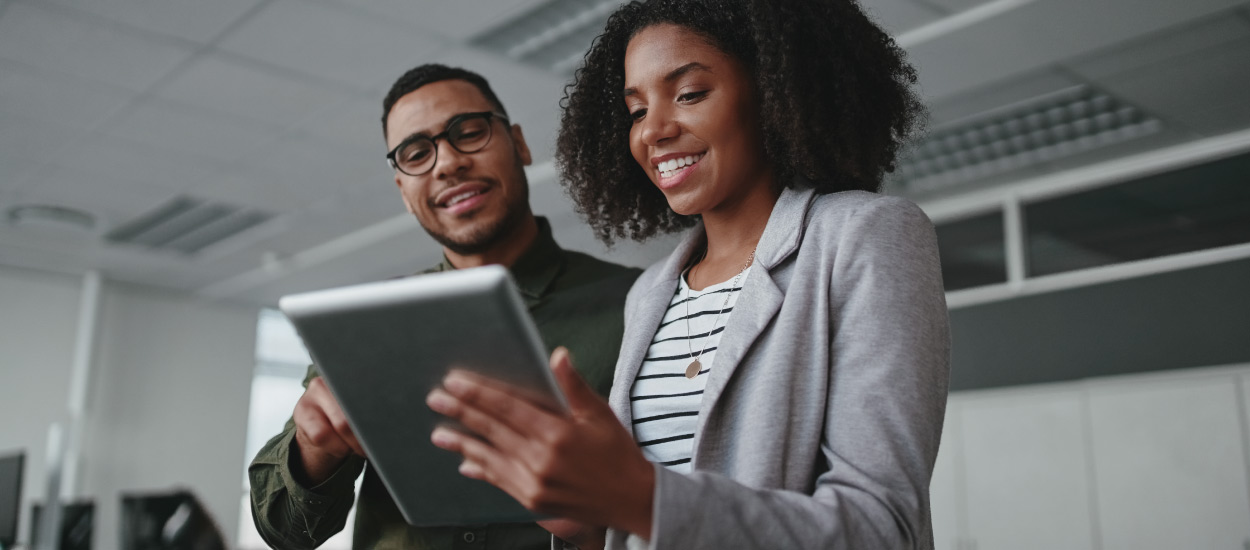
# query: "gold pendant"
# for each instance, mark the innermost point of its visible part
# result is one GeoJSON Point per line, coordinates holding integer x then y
{"type": "Point", "coordinates": [693, 370]}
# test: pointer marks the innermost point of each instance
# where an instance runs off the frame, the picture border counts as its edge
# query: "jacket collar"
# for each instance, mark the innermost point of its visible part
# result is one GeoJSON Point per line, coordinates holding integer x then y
{"type": "Point", "coordinates": [757, 304]}
{"type": "Point", "coordinates": [536, 269]}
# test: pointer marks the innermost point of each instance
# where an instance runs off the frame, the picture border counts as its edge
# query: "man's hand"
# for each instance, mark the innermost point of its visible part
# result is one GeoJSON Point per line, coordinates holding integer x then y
{"type": "Point", "coordinates": [322, 434]}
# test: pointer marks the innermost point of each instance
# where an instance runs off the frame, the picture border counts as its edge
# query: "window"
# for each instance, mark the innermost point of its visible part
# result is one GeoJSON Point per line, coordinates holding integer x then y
{"type": "Point", "coordinates": [973, 252]}
{"type": "Point", "coordinates": [281, 363]}
{"type": "Point", "coordinates": [1186, 210]}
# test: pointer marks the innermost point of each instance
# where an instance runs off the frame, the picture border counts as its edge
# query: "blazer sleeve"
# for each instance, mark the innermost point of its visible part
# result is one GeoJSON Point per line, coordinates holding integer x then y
{"type": "Point", "coordinates": [889, 350]}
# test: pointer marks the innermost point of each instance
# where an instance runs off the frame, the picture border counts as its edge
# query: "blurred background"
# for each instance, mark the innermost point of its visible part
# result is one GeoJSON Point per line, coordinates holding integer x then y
{"type": "Point", "coordinates": [169, 168]}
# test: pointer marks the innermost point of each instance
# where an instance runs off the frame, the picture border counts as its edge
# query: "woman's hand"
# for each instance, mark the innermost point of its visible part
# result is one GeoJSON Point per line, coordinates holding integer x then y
{"type": "Point", "coordinates": [582, 465]}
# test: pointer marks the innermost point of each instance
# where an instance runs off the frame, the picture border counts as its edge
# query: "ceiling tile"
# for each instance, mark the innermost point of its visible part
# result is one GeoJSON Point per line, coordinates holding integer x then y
{"type": "Point", "coordinates": [954, 6]}
{"type": "Point", "coordinates": [194, 20]}
{"type": "Point", "coordinates": [1041, 34]}
{"type": "Point", "coordinates": [122, 159]}
{"type": "Point", "coordinates": [998, 95]}
{"type": "Point", "coordinates": [56, 98]}
{"type": "Point", "coordinates": [315, 170]}
{"type": "Point", "coordinates": [532, 97]}
{"type": "Point", "coordinates": [1162, 48]}
{"type": "Point", "coordinates": [86, 48]}
{"type": "Point", "coordinates": [1201, 83]}
{"type": "Point", "coordinates": [253, 188]}
{"type": "Point", "coordinates": [331, 42]}
{"type": "Point", "coordinates": [167, 125]}
{"type": "Point", "coordinates": [455, 21]}
{"type": "Point", "coordinates": [17, 172]}
{"type": "Point", "coordinates": [355, 123]}
{"type": "Point", "coordinates": [32, 140]}
{"type": "Point", "coordinates": [242, 89]}
{"type": "Point", "coordinates": [899, 16]}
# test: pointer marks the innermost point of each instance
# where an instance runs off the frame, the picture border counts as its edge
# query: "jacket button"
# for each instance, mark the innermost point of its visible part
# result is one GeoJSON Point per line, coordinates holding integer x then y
{"type": "Point", "coordinates": [469, 537]}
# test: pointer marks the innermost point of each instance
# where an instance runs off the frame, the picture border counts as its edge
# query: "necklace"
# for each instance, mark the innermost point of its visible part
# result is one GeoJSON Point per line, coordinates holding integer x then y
{"type": "Point", "coordinates": [695, 366]}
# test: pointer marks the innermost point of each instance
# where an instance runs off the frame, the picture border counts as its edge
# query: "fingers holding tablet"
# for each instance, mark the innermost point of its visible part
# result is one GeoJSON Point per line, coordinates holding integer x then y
{"type": "Point", "coordinates": [322, 434]}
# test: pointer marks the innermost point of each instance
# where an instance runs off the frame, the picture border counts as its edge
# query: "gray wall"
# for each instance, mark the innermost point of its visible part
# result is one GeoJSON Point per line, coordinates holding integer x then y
{"type": "Point", "coordinates": [1192, 318]}
{"type": "Point", "coordinates": [169, 394]}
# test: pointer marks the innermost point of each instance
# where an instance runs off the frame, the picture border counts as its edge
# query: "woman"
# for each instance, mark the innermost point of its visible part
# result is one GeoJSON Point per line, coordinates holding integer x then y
{"type": "Point", "coordinates": [785, 369]}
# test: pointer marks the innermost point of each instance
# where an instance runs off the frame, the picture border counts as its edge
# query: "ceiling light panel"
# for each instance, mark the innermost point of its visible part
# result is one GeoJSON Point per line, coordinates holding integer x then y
{"type": "Point", "coordinates": [554, 35]}
{"type": "Point", "coordinates": [1053, 126]}
{"type": "Point", "coordinates": [187, 225]}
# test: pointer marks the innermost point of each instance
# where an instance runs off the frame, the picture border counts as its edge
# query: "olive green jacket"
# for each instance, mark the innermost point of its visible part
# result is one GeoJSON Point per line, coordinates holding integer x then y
{"type": "Point", "coordinates": [576, 301]}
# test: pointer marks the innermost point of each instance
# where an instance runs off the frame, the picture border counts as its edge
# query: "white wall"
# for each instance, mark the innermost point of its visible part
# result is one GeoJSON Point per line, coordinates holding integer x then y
{"type": "Point", "coordinates": [169, 392]}
{"type": "Point", "coordinates": [38, 314]}
{"type": "Point", "coordinates": [1142, 462]}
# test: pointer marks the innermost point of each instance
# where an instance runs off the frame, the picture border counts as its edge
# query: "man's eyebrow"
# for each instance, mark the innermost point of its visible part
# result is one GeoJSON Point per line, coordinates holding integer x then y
{"type": "Point", "coordinates": [446, 124]}
{"type": "Point", "coordinates": [675, 74]}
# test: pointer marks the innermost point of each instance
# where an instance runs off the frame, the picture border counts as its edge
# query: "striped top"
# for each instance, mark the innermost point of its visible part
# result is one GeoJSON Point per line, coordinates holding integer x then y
{"type": "Point", "coordinates": [665, 403]}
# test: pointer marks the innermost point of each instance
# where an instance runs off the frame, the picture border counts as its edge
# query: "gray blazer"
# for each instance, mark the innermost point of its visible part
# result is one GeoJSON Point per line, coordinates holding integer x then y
{"type": "Point", "coordinates": [823, 411]}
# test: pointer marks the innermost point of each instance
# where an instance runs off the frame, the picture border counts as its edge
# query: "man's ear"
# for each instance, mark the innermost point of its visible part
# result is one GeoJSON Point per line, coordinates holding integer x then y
{"type": "Point", "coordinates": [522, 150]}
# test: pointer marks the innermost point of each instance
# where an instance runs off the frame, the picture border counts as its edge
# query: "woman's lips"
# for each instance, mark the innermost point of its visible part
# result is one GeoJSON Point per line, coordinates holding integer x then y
{"type": "Point", "coordinates": [668, 179]}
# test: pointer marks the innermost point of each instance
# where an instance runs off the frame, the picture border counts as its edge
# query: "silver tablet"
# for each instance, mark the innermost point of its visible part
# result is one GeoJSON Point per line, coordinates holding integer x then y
{"type": "Point", "coordinates": [382, 347]}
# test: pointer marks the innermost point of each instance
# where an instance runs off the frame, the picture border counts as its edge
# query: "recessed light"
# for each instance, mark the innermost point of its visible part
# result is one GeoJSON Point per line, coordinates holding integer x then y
{"type": "Point", "coordinates": [52, 216]}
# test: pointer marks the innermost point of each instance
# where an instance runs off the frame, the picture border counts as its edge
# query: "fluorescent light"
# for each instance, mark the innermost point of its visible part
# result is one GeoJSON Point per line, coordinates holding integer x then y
{"type": "Point", "coordinates": [1061, 124]}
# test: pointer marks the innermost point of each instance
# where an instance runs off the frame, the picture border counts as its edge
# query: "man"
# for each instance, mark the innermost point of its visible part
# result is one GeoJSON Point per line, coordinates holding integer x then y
{"type": "Point", "coordinates": [459, 167]}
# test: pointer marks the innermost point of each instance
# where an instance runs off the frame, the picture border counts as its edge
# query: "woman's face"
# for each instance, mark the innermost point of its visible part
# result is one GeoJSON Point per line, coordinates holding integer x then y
{"type": "Point", "coordinates": [695, 120]}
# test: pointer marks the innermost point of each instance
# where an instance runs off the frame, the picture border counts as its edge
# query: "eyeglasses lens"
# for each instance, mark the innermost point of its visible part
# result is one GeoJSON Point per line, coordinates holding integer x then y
{"type": "Point", "coordinates": [467, 135]}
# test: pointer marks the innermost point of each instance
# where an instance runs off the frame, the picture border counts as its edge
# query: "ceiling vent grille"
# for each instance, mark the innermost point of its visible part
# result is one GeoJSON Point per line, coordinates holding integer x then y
{"type": "Point", "coordinates": [554, 36]}
{"type": "Point", "coordinates": [187, 225]}
{"type": "Point", "coordinates": [1060, 124]}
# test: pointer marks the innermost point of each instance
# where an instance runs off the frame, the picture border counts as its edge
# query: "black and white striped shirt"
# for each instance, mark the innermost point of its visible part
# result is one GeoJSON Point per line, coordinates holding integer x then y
{"type": "Point", "coordinates": [665, 403]}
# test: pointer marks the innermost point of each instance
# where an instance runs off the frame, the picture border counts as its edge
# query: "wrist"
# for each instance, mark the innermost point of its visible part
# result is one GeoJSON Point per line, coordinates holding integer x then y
{"type": "Point", "coordinates": [638, 515]}
{"type": "Point", "coordinates": [310, 465]}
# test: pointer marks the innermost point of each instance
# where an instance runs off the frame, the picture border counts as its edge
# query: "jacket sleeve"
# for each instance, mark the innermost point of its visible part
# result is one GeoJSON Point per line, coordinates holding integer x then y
{"type": "Point", "coordinates": [287, 513]}
{"type": "Point", "coordinates": [889, 350]}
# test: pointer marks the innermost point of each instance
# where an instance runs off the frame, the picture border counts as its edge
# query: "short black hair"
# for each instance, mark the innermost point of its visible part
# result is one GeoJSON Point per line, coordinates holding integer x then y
{"type": "Point", "coordinates": [429, 74]}
{"type": "Point", "coordinates": [835, 99]}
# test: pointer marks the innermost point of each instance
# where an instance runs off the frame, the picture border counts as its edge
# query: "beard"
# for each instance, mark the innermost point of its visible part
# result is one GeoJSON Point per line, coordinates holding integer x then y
{"type": "Point", "coordinates": [486, 234]}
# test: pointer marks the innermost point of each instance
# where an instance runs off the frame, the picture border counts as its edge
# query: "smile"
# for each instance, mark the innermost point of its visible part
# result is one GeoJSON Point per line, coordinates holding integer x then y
{"type": "Point", "coordinates": [461, 197]}
{"type": "Point", "coordinates": [670, 167]}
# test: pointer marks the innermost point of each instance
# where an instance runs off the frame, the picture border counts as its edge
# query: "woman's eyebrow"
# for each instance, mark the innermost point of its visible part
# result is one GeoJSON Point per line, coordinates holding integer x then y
{"type": "Point", "coordinates": [674, 75]}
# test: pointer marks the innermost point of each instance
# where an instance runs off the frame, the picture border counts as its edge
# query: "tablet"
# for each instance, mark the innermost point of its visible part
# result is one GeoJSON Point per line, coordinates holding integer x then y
{"type": "Point", "coordinates": [382, 347]}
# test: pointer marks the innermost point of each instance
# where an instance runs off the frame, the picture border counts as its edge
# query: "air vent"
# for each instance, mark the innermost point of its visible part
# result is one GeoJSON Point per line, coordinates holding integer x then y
{"type": "Point", "coordinates": [1046, 128]}
{"type": "Point", "coordinates": [554, 36]}
{"type": "Point", "coordinates": [187, 225]}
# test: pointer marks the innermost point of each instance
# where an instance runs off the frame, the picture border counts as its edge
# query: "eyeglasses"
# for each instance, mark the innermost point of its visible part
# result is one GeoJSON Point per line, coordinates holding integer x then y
{"type": "Point", "coordinates": [466, 133]}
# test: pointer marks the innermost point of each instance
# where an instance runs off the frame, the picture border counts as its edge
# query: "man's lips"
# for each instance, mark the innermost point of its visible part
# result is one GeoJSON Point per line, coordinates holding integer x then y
{"type": "Point", "coordinates": [459, 193]}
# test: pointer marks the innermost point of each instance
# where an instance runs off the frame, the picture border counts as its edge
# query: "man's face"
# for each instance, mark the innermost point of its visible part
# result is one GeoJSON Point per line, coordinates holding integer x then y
{"type": "Point", "coordinates": [467, 202]}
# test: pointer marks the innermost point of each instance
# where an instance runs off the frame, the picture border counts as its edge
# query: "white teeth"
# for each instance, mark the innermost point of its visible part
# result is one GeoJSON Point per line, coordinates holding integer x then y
{"type": "Point", "coordinates": [668, 167]}
{"type": "Point", "coordinates": [452, 201]}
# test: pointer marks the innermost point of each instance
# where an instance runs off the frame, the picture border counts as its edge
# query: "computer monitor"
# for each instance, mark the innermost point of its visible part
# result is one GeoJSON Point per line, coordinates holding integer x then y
{"type": "Point", "coordinates": [77, 522]}
{"type": "Point", "coordinates": [10, 497]}
{"type": "Point", "coordinates": [168, 521]}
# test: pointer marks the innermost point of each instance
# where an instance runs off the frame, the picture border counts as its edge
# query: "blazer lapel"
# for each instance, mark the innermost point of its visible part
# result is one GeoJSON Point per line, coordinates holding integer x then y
{"type": "Point", "coordinates": [760, 298]}
{"type": "Point", "coordinates": [644, 320]}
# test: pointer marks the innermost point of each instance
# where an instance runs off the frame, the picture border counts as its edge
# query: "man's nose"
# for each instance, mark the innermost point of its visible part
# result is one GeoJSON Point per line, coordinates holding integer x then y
{"type": "Point", "coordinates": [450, 161]}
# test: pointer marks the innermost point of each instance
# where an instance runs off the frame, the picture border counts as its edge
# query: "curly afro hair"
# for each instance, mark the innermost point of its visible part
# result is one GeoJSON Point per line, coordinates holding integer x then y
{"type": "Point", "coordinates": [835, 98]}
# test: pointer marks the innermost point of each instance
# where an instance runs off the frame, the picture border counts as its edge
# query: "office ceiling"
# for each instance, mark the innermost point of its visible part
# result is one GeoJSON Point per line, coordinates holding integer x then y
{"type": "Point", "coordinates": [116, 107]}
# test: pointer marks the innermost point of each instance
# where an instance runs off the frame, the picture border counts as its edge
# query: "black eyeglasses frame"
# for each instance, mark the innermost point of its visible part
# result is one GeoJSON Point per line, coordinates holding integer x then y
{"type": "Point", "coordinates": [452, 123]}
